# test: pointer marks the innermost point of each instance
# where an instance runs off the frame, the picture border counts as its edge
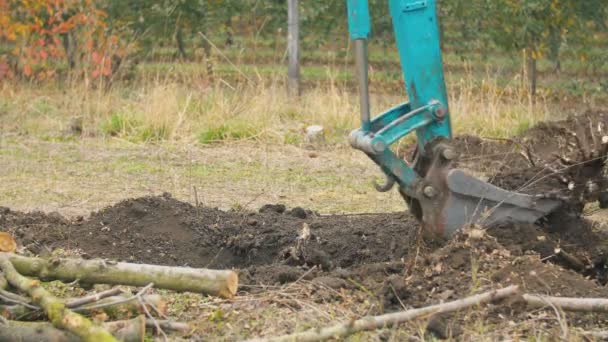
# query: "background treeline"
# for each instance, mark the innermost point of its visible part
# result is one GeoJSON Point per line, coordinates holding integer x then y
{"type": "Point", "coordinates": [93, 39]}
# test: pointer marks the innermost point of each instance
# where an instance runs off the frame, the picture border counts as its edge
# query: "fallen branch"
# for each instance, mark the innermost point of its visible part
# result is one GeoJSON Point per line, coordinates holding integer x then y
{"type": "Point", "coordinates": [76, 302]}
{"type": "Point", "coordinates": [572, 261]}
{"type": "Point", "coordinates": [111, 306]}
{"type": "Point", "coordinates": [152, 319]}
{"type": "Point", "coordinates": [127, 330]}
{"type": "Point", "coordinates": [568, 303]}
{"type": "Point", "coordinates": [221, 283]}
{"type": "Point", "coordinates": [11, 298]}
{"type": "Point", "coordinates": [60, 316]}
{"type": "Point", "coordinates": [597, 335]}
{"type": "Point", "coordinates": [388, 320]}
{"type": "Point", "coordinates": [117, 300]}
{"type": "Point", "coordinates": [115, 306]}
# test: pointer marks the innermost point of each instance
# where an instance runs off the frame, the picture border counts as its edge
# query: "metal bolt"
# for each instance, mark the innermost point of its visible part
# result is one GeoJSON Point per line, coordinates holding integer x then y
{"type": "Point", "coordinates": [429, 191]}
{"type": "Point", "coordinates": [448, 154]}
{"type": "Point", "coordinates": [440, 112]}
{"type": "Point", "coordinates": [379, 146]}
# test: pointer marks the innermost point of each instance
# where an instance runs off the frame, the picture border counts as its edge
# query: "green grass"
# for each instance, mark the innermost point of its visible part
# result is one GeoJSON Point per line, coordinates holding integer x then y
{"type": "Point", "coordinates": [223, 132]}
{"type": "Point", "coordinates": [117, 124]}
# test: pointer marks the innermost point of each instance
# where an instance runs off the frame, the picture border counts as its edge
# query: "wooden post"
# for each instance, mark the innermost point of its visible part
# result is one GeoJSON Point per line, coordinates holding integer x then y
{"type": "Point", "coordinates": [293, 48]}
{"type": "Point", "coordinates": [531, 59]}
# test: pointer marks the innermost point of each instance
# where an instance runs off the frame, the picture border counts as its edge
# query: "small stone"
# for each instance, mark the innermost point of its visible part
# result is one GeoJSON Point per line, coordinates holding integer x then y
{"type": "Point", "coordinates": [252, 222]}
{"type": "Point", "coordinates": [315, 135]}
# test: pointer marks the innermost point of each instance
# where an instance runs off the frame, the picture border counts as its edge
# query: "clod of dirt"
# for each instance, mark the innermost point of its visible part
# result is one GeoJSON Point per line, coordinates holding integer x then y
{"type": "Point", "coordinates": [274, 208]}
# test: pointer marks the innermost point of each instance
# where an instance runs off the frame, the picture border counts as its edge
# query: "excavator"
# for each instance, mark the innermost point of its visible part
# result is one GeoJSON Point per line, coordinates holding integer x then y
{"type": "Point", "coordinates": [442, 197]}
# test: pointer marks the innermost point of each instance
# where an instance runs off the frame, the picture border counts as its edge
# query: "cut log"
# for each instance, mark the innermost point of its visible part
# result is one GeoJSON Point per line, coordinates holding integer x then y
{"type": "Point", "coordinates": [222, 283]}
{"type": "Point", "coordinates": [128, 331]}
{"type": "Point", "coordinates": [60, 316]}
{"type": "Point", "coordinates": [391, 319]}
{"type": "Point", "coordinates": [568, 303]}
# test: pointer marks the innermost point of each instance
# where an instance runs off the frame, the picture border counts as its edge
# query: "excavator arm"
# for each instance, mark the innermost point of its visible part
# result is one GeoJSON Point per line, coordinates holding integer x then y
{"type": "Point", "coordinates": [443, 198]}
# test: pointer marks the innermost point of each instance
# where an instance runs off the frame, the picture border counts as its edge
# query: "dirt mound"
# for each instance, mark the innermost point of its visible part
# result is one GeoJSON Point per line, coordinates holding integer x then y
{"type": "Point", "coordinates": [163, 230]}
{"type": "Point", "coordinates": [276, 245]}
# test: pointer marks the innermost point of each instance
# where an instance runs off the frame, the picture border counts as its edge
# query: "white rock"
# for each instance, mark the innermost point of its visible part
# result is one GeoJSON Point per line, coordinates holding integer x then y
{"type": "Point", "coordinates": [315, 135]}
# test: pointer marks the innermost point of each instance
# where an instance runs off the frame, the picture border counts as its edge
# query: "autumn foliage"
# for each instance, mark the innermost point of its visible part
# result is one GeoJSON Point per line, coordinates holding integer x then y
{"type": "Point", "coordinates": [40, 39]}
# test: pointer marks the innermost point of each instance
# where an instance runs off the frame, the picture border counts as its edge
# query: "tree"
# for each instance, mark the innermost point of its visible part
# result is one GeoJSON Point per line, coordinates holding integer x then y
{"type": "Point", "coordinates": [44, 34]}
{"type": "Point", "coordinates": [541, 26]}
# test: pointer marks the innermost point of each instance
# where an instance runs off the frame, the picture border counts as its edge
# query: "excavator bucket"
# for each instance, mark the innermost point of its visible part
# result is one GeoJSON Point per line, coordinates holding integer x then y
{"type": "Point", "coordinates": [452, 199]}
{"type": "Point", "coordinates": [467, 200]}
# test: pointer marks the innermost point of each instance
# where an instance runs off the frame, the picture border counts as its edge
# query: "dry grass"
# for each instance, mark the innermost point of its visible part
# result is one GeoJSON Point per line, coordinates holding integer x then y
{"type": "Point", "coordinates": [160, 108]}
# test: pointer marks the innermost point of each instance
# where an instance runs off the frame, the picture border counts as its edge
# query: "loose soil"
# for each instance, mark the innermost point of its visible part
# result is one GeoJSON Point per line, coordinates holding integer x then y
{"type": "Point", "coordinates": [381, 253]}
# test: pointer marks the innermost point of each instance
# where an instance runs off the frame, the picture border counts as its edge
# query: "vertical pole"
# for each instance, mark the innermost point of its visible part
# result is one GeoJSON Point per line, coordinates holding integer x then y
{"type": "Point", "coordinates": [293, 48]}
{"type": "Point", "coordinates": [359, 29]}
{"type": "Point", "coordinates": [361, 60]}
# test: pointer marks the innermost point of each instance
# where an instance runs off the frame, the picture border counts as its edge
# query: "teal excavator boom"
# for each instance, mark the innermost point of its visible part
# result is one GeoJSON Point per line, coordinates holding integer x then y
{"type": "Point", "coordinates": [442, 197]}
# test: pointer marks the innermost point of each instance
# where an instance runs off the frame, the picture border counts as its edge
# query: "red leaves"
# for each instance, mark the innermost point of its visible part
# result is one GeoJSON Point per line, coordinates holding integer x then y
{"type": "Point", "coordinates": [27, 70]}
{"type": "Point", "coordinates": [38, 27]}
